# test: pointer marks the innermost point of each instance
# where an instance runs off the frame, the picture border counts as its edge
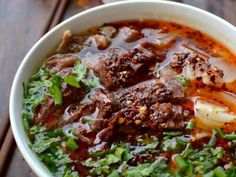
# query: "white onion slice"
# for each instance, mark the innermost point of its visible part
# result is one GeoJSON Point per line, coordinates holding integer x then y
{"type": "Point", "coordinates": [229, 69]}
{"type": "Point", "coordinates": [211, 114]}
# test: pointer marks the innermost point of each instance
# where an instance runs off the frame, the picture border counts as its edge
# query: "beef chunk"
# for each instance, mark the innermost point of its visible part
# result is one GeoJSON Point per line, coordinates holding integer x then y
{"type": "Point", "coordinates": [145, 106]}
{"type": "Point", "coordinates": [195, 67]}
{"type": "Point", "coordinates": [76, 114]}
{"type": "Point", "coordinates": [149, 92]}
{"type": "Point", "coordinates": [130, 35]}
{"type": "Point", "coordinates": [59, 62]}
{"type": "Point", "coordinates": [167, 116]}
{"type": "Point", "coordinates": [102, 41]}
{"type": "Point", "coordinates": [174, 87]}
{"type": "Point", "coordinates": [44, 109]}
{"type": "Point", "coordinates": [128, 121]}
{"type": "Point", "coordinates": [178, 61]}
{"type": "Point", "coordinates": [121, 68]}
{"type": "Point", "coordinates": [108, 31]}
{"type": "Point", "coordinates": [70, 43]}
{"type": "Point", "coordinates": [105, 102]}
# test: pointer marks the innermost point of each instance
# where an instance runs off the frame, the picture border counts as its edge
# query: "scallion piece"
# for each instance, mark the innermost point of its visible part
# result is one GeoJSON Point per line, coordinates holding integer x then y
{"type": "Point", "coordinates": [190, 125]}
{"type": "Point", "coordinates": [231, 136]}
{"type": "Point", "coordinates": [212, 141]}
{"type": "Point", "coordinates": [71, 144]}
{"type": "Point", "coordinates": [220, 132]}
{"type": "Point", "coordinates": [209, 174]}
{"type": "Point", "coordinates": [181, 163]}
{"type": "Point", "coordinates": [220, 172]}
{"type": "Point", "coordinates": [26, 124]}
{"type": "Point", "coordinates": [55, 133]}
{"type": "Point", "coordinates": [189, 172]}
{"type": "Point", "coordinates": [176, 133]}
{"type": "Point", "coordinates": [87, 119]}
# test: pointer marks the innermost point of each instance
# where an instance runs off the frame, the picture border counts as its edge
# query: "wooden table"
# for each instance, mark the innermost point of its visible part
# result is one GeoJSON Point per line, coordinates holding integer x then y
{"type": "Point", "coordinates": [23, 22]}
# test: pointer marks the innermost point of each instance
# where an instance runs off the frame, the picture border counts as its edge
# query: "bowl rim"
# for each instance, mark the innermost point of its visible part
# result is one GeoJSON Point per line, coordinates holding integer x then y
{"type": "Point", "coordinates": [23, 147]}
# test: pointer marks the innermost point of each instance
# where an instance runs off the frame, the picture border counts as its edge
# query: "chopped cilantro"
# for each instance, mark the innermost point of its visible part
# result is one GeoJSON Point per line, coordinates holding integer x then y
{"type": "Point", "coordinates": [181, 163]}
{"type": "Point", "coordinates": [47, 145]}
{"type": "Point", "coordinates": [71, 80]}
{"type": "Point", "coordinates": [43, 143]}
{"type": "Point", "coordinates": [157, 168]}
{"type": "Point", "coordinates": [71, 144]}
{"type": "Point", "coordinates": [81, 72]}
{"type": "Point", "coordinates": [34, 93]}
{"type": "Point", "coordinates": [175, 144]}
{"type": "Point", "coordinates": [55, 90]}
{"type": "Point", "coordinates": [203, 160]}
{"type": "Point", "coordinates": [145, 148]}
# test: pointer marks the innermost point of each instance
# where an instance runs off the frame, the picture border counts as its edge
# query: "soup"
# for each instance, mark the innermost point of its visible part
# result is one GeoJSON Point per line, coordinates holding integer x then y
{"type": "Point", "coordinates": [134, 98]}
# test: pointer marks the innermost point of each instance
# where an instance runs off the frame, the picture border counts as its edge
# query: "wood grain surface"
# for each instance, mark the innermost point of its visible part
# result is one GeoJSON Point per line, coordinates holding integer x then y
{"type": "Point", "coordinates": [23, 22]}
{"type": "Point", "coordinates": [21, 26]}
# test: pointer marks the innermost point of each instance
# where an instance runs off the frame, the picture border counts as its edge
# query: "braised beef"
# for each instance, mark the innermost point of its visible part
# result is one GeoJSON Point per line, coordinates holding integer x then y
{"type": "Point", "coordinates": [122, 68]}
{"type": "Point", "coordinates": [149, 74]}
{"type": "Point", "coordinates": [71, 43]}
{"type": "Point", "coordinates": [201, 69]}
{"type": "Point", "coordinates": [108, 31]}
{"type": "Point", "coordinates": [58, 62]}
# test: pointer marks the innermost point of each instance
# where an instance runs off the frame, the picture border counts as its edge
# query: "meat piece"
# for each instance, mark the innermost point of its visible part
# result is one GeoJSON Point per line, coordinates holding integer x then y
{"type": "Point", "coordinates": [174, 87]}
{"type": "Point", "coordinates": [105, 102]}
{"type": "Point", "coordinates": [98, 124]}
{"type": "Point", "coordinates": [199, 68]}
{"type": "Point", "coordinates": [144, 107]}
{"type": "Point", "coordinates": [83, 110]}
{"type": "Point", "coordinates": [130, 34]}
{"type": "Point", "coordinates": [167, 116]}
{"type": "Point", "coordinates": [62, 47]}
{"type": "Point", "coordinates": [178, 61]}
{"type": "Point", "coordinates": [121, 68]}
{"type": "Point", "coordinates": [44, 109]}
{"type": "Point", "coordinates": [160, 116]}
{"type": "Point", "coordinates": [101, 41]}
{"type": "Point", "coordinates": [65, 72]}
{"type": "Point", "coordinates": [59, 62]}
{"type": "Point", "coordinates": [104, 135]}
{"type": "Point", "coordinates": [108, 31]}
{"type": "Point", "coordinates": [72, 94]}
{"type": "Point", "coordinates": [151, 91]}
{"type": "Point", "coordinates": [131, 120]}
{"type": "Point", "coordinates": [70, 43]}
{"type": "Point", "coordinates": [128, 110]}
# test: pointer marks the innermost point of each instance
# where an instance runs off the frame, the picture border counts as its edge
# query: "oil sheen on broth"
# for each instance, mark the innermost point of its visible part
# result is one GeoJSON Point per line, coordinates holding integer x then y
{"type": "Point", "coordinates": [134, 98]}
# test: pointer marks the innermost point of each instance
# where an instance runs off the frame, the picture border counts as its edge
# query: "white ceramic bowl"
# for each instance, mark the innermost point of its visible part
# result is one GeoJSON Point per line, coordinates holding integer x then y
{"type": "Point", "coordinates": [145, 9]}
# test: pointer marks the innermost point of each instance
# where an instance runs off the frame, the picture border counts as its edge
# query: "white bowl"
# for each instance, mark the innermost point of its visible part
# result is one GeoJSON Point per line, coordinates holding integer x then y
{"type": "Point", "coordinates": [145, 9]}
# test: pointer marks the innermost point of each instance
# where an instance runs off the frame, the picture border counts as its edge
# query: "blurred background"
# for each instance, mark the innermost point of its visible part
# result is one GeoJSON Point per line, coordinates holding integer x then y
{"type": "Point", "coordinates": [22, 23]}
